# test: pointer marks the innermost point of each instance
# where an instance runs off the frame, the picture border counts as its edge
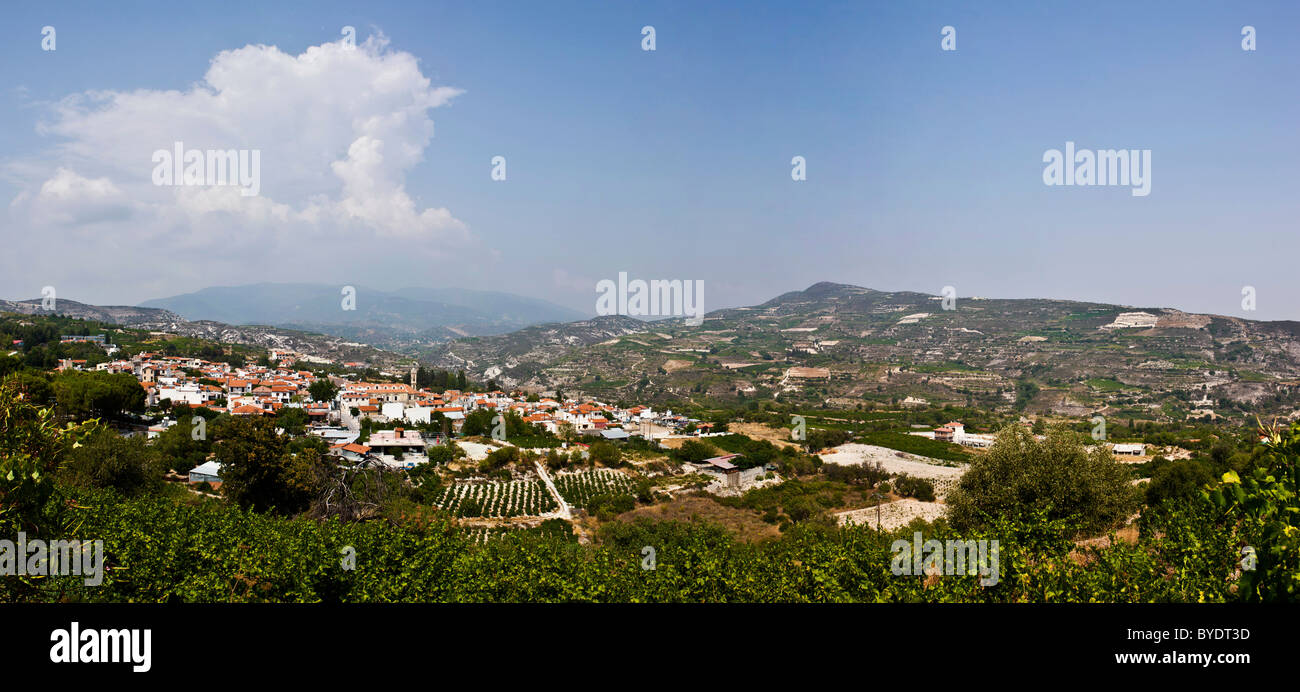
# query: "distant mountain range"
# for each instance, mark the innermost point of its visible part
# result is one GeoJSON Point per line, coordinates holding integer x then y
{"type": "Point", "coordinates": [168, 322]}
{"type": "Point", "coordinates": [390, 319]}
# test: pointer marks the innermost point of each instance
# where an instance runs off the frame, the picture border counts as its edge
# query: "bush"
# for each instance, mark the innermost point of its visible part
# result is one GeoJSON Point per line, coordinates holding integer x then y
{"type": "Point", "coordinates": [500, 458]}
{"type": "Point", "coordinates": [606, 454]}
{"type": "Point", "coordinates": [441, 454]}
{"type": "Point", "coordinates": [108, 460]}
{"type": "Point", "coordinates": [607, 505]}
{"type": "Point", "coordinates": [1020, 475]}
{"type": "Point", "coordinates": [1178, 480]}
{"type": "Point", "coordinates": [32, 446]}
{"type": "Point", "coordinates": [918, 488]}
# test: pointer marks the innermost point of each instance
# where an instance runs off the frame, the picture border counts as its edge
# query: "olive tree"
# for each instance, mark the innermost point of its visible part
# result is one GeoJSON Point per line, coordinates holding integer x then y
{"type": "Point", "coordinates": [1058, 475]}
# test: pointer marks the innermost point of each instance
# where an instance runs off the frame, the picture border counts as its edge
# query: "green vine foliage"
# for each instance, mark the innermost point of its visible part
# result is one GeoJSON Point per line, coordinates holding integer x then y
{"type": "Point", "coordinates": [32, 446]}
{"type": "Point", "coordinates": [159, 550]}
{"type": "Point", "coordinates": [1263, 510]}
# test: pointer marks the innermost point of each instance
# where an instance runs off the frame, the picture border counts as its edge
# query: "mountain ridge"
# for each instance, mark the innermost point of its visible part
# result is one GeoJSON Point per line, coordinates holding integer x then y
{"type": "Point", "coordinates": [849, 345]}
{"type": "Point", "coordinates": [389, 319]}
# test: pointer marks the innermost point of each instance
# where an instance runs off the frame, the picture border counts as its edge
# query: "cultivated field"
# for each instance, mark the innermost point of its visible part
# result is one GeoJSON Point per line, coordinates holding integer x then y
{"type": "Point", "coordinates": [497, 499]}
{"type": "Point", "coordinates": [578, 487]}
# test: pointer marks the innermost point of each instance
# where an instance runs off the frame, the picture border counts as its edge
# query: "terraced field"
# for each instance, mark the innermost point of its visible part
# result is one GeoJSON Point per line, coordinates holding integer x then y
{"type": "Point", "coordinates": [580, 486]}
{"type": "Point", "coordinates": [497, 499]}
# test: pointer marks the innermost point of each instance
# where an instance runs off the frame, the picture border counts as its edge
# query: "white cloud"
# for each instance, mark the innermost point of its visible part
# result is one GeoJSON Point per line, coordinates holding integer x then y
{"type": "Point", "coordinates": [68, 199]}
{"type": "Point", "coordinates": [338, 128]}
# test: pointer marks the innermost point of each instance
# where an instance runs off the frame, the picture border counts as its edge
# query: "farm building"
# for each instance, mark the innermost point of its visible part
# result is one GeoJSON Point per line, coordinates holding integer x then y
{"type": "Point", "coordinates": [208, 471]}
{"type": "Point", "coordinates": [722, 465]}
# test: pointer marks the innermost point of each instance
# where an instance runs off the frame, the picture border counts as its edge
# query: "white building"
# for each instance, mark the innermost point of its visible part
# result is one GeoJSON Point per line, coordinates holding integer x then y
{"type": "Point", "coordinates": [398, 448]}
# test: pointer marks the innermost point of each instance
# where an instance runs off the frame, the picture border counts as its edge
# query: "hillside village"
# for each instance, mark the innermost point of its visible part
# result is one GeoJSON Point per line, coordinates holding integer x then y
{"type": "Point", "coordinates": [394, 424]}
{"type": "Point", "coordinates": [266, 391]}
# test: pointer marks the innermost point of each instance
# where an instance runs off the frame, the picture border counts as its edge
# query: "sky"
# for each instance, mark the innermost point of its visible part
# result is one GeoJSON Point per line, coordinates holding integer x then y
{"type": "Point", "coordinates": [924, 167]}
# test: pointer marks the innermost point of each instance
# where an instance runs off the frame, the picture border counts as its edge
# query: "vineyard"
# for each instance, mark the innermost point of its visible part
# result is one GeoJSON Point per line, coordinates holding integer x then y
{"type": "Point", "coordinates": [158, 551]}
{"type": "Point", "coordinates": [578, 487]}
{"type": "Point", "coordinates": [497, 499]}
{"type": "Point", "coordinates": [550, 529]}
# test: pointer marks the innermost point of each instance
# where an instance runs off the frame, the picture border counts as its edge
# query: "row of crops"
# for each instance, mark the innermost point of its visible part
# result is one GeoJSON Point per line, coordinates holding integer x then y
{"type": "Point", "coordinates": [578, 487]}
{"type": "Point", "coordinates": [521, 498]}
{"type": "Point", "coordinates": [552, 528]}
{"type": "Point", "coordinates": [497, 499]}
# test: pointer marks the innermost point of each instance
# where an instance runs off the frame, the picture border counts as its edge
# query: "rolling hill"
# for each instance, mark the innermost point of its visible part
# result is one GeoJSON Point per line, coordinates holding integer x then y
{"type": "Point", "coordinates": [842, 345]}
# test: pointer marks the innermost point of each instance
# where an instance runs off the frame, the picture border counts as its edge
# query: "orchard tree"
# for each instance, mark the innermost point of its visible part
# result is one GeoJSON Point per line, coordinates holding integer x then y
{"type": "Point", "coordinates": [1058, 475]}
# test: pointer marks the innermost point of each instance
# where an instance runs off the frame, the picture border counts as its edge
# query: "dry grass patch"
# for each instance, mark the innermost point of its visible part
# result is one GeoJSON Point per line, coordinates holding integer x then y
{"type": "Point", "coordinates": [759, 431]}
{"type": "Point", "coordinates": [743, 524]}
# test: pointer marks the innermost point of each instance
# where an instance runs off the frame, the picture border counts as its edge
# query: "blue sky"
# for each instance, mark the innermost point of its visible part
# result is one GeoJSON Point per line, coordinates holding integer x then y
{"type": "Point", "coordinates": [924, 167]}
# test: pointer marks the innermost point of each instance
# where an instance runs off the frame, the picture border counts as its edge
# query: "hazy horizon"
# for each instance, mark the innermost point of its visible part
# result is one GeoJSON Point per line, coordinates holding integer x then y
{"type": "Point", "coordinates": [924, 167]}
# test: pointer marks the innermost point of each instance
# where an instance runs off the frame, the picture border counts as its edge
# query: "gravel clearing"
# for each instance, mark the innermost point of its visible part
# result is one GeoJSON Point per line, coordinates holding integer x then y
{"type": "Point", "coordinates": [476, 451]}
{"type": "Point", "coordinates": [896, 462]}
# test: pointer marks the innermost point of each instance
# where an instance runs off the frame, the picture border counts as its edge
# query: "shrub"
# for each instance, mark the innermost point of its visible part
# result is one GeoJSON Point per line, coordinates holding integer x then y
{"type": "Point", "coordinates": [1178, 480]}
{"type": "Point", "coordinates": [918, 488]}
{"type": "Point", "coordinates": [108, 460]}
{"type": "Point", "coordinates": [606, 454]}
{"type": "Point", "coordinates": [1058, 475]}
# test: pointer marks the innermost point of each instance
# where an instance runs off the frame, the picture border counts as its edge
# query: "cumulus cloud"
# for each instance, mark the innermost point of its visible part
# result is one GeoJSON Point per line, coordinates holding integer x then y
{"type": "Point", "coordinates": [68, 199]}
{"type": "Point", "coordinates": [338, 127]}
